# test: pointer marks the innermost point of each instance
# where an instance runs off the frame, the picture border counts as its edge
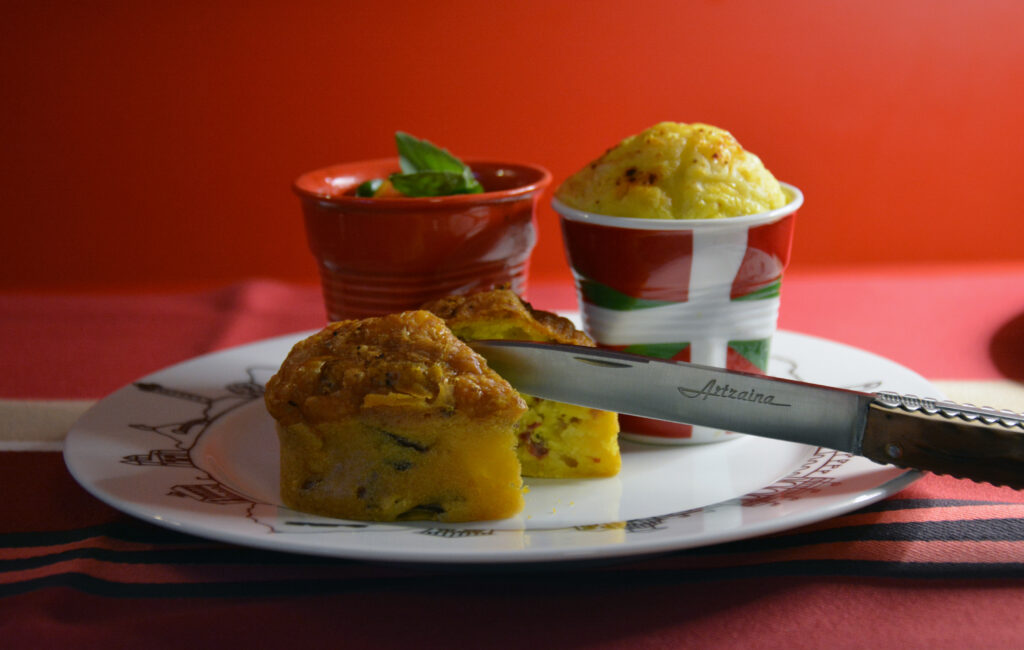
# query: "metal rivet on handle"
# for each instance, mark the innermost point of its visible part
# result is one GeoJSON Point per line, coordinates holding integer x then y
{"type": "Point", "coordinates": [893, 450]}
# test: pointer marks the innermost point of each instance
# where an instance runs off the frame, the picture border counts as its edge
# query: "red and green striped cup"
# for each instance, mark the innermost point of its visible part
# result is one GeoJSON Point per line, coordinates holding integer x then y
{"type": "Point", "coordinates": [706, 291]}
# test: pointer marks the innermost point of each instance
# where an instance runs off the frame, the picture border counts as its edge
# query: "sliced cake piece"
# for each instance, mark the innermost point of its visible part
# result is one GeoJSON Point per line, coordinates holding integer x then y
{"type": "Point", "coordinates": [394, 418]}
{"type": "Point", "coordinates": [556, 440]}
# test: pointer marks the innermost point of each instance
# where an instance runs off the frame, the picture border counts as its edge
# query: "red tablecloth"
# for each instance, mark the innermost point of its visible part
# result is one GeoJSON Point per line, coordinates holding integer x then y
{"type": "Point", "coordinates": [944, 323]}
{"type": "Point", "coordinates": [940, 564]}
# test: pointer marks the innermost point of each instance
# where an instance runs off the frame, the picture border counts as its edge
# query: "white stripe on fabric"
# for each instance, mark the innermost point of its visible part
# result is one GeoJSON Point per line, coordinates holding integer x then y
{"type": "Point", "coordinates": [39, 420]}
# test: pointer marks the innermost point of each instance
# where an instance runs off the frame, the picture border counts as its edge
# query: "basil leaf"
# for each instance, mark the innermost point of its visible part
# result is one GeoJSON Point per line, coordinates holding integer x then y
{"type": "Point", "coordinates": [428, 170]}
{"type": "Point", "coordinates": [434, 183]}
{"type": "Point", "coordinates": [472, 184]}
{"type": "Point", "coordinates": [369, 188]}
{"type": "Point", "coordinates": [415, 155]}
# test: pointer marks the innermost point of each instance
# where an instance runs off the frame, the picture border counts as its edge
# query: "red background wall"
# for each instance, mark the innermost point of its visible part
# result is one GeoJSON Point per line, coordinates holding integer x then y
{"type": "Point", "coordinates": [153, 144]}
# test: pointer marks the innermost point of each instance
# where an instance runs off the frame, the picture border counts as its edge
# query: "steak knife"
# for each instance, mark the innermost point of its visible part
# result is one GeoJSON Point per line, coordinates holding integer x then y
{"type": "Point", "coordinates": [981, 444]}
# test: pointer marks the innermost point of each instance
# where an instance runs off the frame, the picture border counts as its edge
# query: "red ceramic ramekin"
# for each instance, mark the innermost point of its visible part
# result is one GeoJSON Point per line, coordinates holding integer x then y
{"type": "Point", "coordinates": [385, 255]}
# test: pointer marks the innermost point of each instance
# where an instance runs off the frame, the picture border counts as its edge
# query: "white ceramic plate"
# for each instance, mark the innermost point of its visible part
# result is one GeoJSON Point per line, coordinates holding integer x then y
{"type": "Point", "coordinates": [192, 448]}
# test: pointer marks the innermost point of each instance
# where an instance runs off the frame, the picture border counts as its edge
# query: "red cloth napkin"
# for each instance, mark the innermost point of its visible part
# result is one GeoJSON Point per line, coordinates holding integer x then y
{"type": "Point", "coordinates": [946, 324]}
{"type": "Point", "coordinates": [87, 346]}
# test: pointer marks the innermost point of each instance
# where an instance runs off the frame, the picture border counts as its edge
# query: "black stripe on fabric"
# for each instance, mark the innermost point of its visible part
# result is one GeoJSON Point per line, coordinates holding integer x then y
{"type": "Point", "coordinates": [975, 530]}
{"type": "Point", "coordinates": [846, 568]}
{"type": "Point", "coordinates": [200, 552]}
{"type": "Point", "coordinates": [97, 586]}
{"type": "Point", "coordinates": [916, 504]}
{"type": "Point", "coordinates": [224, 555]}
{"type": "Point", "coordinates": [463, 583]}
{"type": "Point", "coordinates": [127, 530]}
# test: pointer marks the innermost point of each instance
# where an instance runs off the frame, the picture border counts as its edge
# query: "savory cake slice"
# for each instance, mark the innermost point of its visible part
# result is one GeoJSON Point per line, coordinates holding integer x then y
{"type": "Point", "coordinates": [556, 440]}
{"type": "Point", "coordinates": [394, 418]}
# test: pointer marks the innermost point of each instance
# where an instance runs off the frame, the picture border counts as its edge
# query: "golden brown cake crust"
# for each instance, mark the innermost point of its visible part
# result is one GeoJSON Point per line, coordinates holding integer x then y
{"type": "Point", "coordinates": [408, 362]}
{"type": "Point", "coordinates": [505, 306]}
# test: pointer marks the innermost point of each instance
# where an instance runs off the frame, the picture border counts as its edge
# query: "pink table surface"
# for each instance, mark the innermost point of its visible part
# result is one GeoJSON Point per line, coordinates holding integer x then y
{"type": "Point", "coordinates": [943, 322]}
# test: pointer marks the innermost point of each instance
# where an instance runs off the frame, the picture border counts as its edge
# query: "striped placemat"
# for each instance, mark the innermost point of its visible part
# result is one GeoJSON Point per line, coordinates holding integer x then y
{"type": "Point", "coordinates": [929, 531]}
{"type": "Point", "coordinates": [55, 534]}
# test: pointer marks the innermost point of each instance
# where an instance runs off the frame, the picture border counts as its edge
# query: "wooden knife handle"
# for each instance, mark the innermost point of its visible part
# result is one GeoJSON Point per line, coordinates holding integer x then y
{"type": "Point", "coordinates": [964, 441]}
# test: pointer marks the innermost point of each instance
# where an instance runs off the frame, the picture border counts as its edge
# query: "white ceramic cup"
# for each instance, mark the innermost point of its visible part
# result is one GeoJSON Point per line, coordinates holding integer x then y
{"type": "Point", "coordinates": [705, 291]}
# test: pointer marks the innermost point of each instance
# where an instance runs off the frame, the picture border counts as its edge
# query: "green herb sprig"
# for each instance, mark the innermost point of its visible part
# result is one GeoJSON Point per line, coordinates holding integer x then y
{"type": "Point", "coordinates": [427, 170]}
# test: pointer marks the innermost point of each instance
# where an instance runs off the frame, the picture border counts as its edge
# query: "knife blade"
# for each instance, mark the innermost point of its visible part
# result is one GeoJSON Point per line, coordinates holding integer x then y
{"type": "Point", "coordinates": [981, 444]}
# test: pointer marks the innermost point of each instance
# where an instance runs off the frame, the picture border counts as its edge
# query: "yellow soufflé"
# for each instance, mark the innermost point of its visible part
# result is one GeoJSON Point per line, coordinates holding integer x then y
{"type": "Point", "coordinates": [674, 171]}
